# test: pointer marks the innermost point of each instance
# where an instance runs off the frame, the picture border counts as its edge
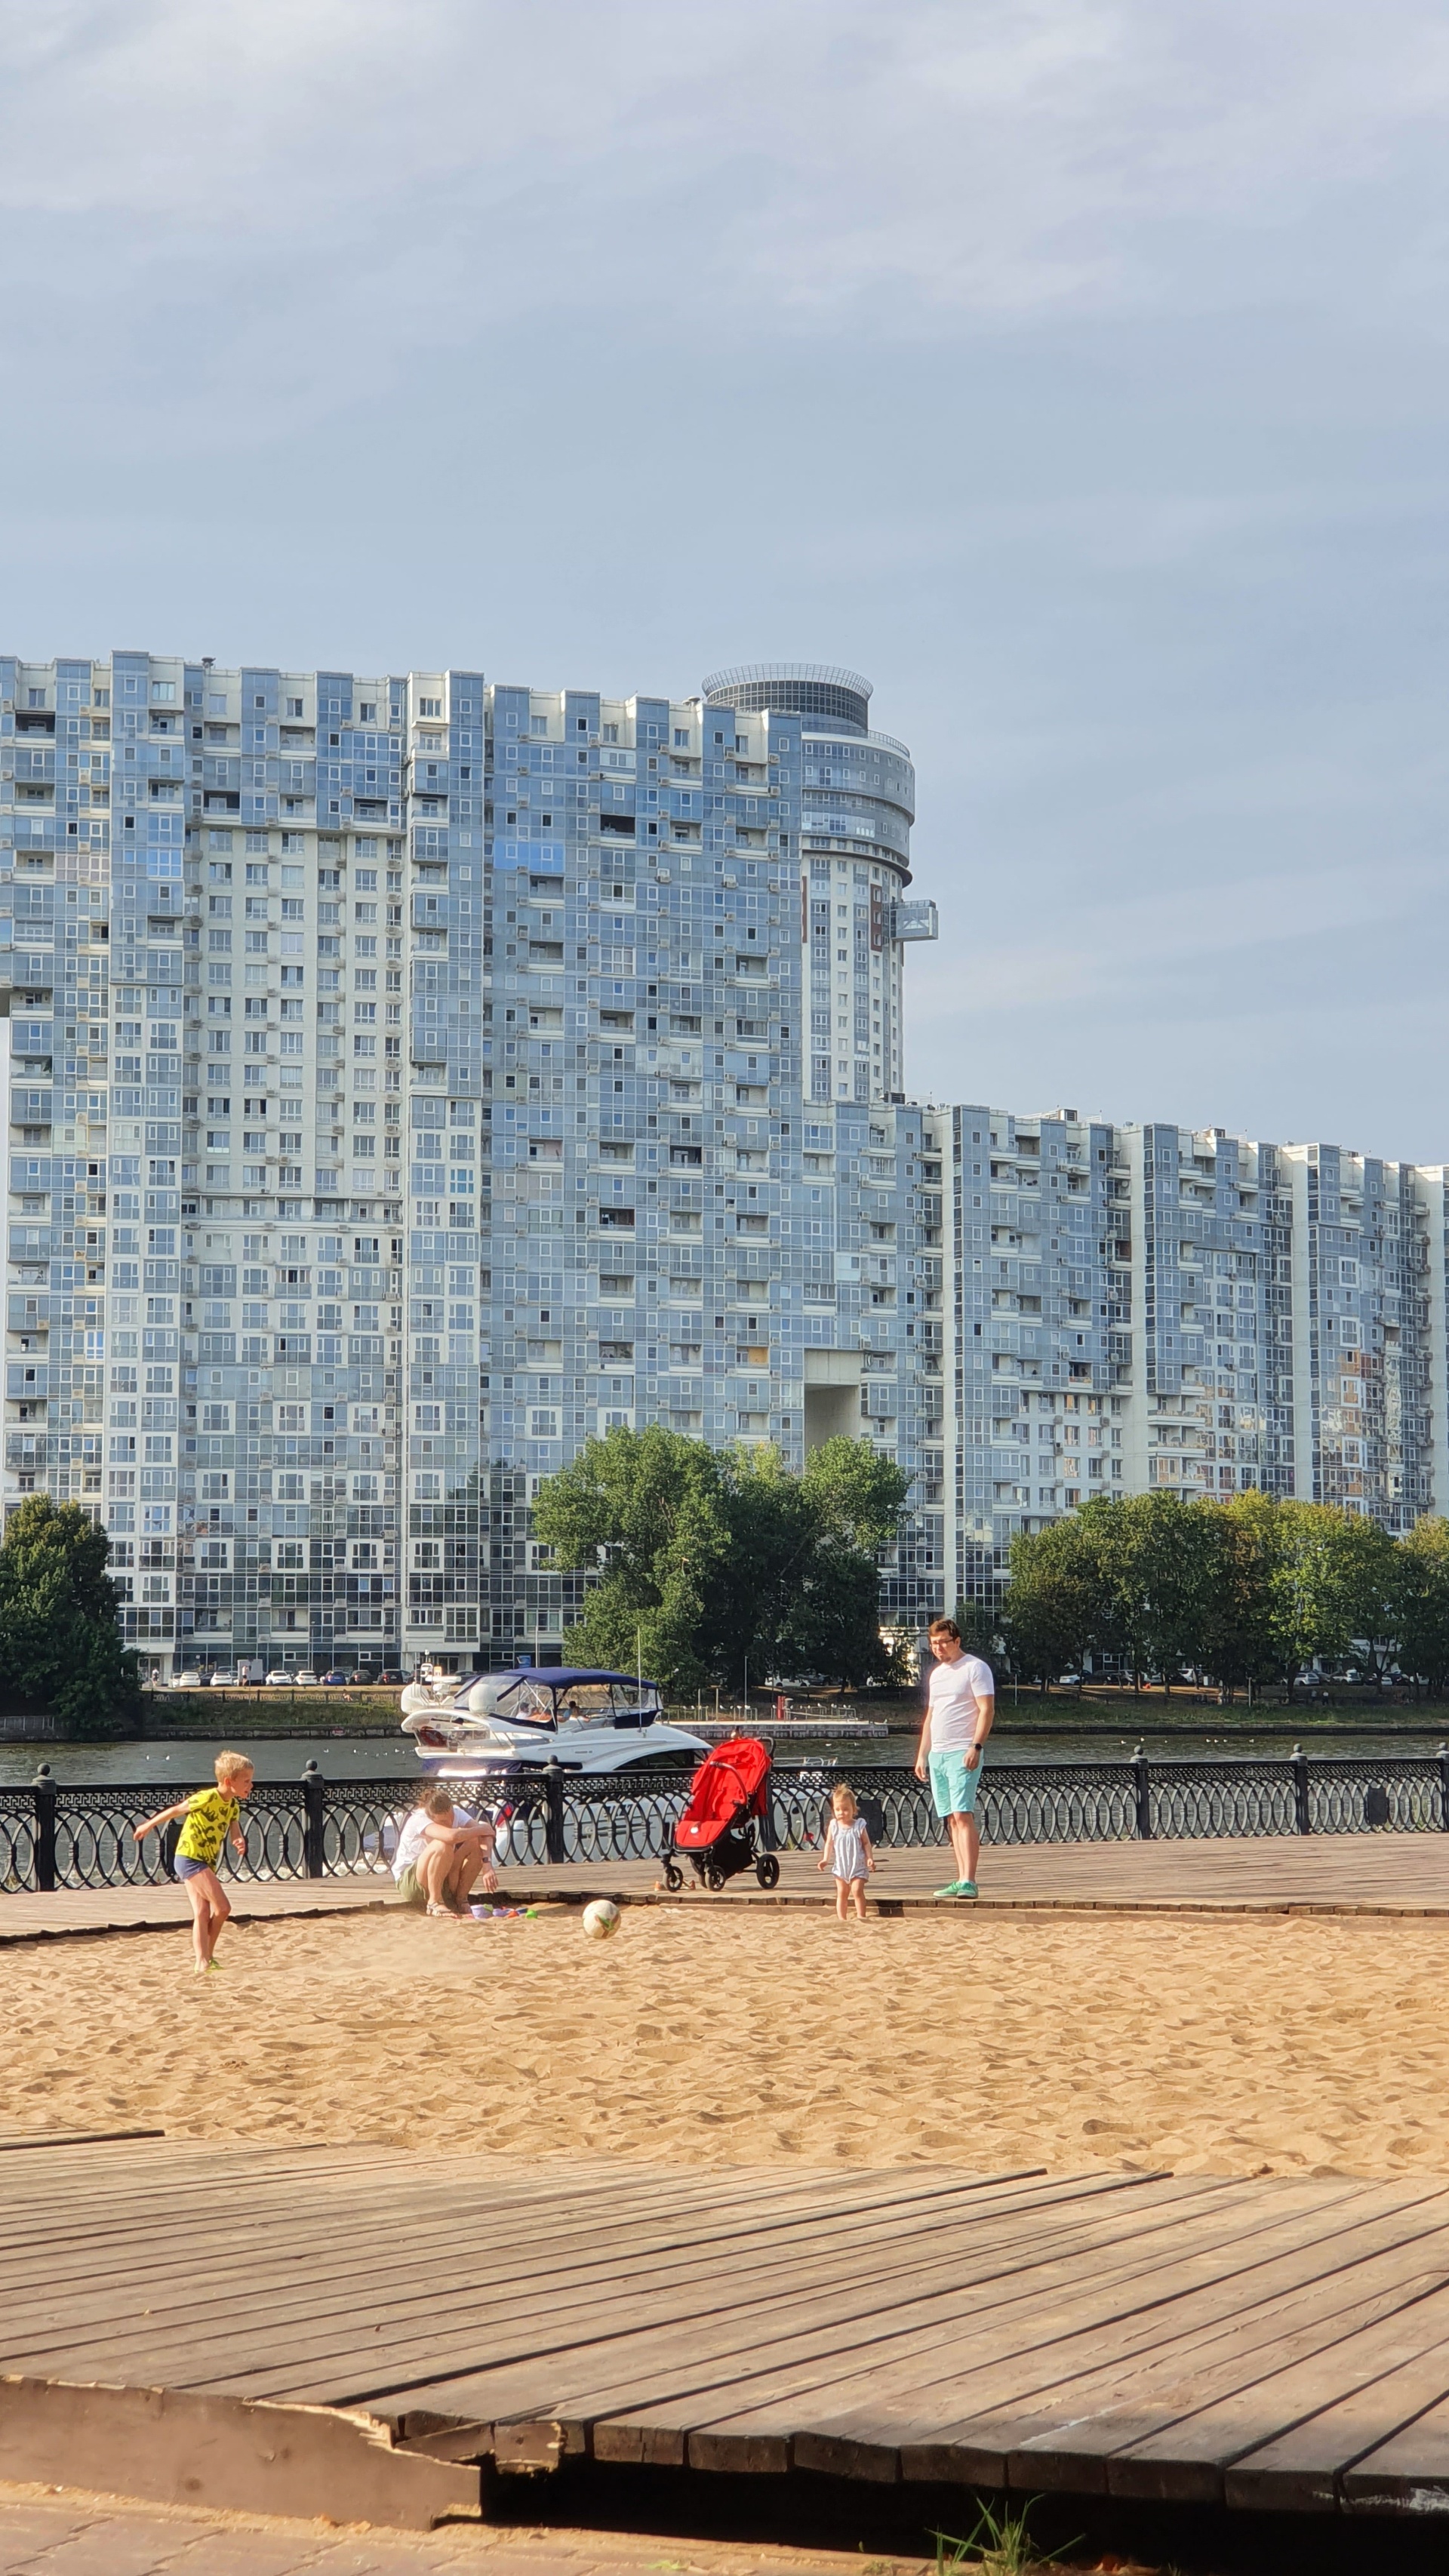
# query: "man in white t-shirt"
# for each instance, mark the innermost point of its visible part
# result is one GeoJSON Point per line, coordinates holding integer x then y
{"type": "Point", "coordinates": [442, 1851]}
{"type": "Point", "coordinates": [960, 1705]}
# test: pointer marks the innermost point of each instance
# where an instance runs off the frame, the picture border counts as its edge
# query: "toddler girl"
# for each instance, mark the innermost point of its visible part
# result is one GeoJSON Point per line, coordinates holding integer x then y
{"type": "Point", "coordinates": [847, 1851]}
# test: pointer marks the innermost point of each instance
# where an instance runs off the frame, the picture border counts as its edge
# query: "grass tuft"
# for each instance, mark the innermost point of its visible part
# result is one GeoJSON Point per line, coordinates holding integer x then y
{"type": "Point", "coordinates": [998, 2544]}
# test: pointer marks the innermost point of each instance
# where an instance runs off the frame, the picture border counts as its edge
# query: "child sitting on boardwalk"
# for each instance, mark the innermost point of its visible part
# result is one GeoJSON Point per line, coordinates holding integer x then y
{"type": "Point", "coordinates": [847, 1852]}
{"type": "Point", "coordinates": [211, 1814]}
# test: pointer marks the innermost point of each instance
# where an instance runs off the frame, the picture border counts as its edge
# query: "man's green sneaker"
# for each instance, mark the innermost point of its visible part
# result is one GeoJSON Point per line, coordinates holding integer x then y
{"type": "Point", "coordinates": [954, 1889]}
{"type": "Point", "coordinates": [964, 1887]}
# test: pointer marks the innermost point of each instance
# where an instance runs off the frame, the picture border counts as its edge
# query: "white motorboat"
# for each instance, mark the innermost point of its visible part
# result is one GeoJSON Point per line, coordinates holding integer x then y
{"type": "Point", "coordinates": [468, 1727]}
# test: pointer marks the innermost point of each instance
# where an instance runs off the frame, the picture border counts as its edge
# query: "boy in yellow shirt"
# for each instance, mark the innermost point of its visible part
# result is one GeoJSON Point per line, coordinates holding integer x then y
{"type": "Point", "coordinates": [211, 1815]}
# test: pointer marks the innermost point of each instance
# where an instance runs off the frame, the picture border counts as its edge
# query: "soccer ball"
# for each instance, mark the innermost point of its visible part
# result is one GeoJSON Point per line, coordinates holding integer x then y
{"type": "Point", "coordinates": [601, 1919]}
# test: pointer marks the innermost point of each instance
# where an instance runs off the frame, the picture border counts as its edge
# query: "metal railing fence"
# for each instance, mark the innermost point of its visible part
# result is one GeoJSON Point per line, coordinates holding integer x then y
{"type": "Point", "coordinates": [55, 1834]}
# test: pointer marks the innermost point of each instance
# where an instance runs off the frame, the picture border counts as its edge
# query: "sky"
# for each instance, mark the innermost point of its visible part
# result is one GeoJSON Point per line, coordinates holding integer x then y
{"type": "Point", "coordinates": [1076, 369]}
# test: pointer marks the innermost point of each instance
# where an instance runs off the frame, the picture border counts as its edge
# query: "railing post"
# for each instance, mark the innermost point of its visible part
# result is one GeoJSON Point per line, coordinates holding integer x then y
{"type": "Point", "coordinates": [1142, 1789]}
{"type": "Point", "coordinates": [553, 1814]}
{"type": "Point", "coordinates": [1300, 1791]}
{"type": "Point", "coordinates": [42, 1790]}
{"type": "Point", "coordinates": [314, 1850]}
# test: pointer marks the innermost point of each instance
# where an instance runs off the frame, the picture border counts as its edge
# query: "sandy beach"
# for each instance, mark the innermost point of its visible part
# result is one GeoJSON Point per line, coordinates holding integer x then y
{"type": "Point", "coordinates": [1234, 2046]}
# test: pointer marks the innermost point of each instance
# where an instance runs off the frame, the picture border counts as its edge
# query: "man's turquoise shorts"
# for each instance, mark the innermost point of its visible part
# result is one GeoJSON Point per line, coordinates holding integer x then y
{"type": "Point", "coordinates": [953, 1786]}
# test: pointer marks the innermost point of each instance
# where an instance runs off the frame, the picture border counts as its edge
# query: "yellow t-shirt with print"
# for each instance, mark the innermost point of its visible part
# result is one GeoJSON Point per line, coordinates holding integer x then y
{"type": "Point", "coordinates": [210, 1816]}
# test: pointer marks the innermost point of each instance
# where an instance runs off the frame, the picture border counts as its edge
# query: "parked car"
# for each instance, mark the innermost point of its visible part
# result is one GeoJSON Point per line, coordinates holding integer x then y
{"type": "Point", "coordinates": [392, 1681]}
{"type": "Point", "coordinates": [364, 1678]}
{"type": "Point", "coordinates": [279, 1680]}
{"type": "Point", "coordinates": [335, 1680]}
{"type": "Point", "coordinates": [221, 1680]}
{"type": "Point", "coordinates": [305, 1681]}
{"type": "Point", "coordinates": [186, 1681]}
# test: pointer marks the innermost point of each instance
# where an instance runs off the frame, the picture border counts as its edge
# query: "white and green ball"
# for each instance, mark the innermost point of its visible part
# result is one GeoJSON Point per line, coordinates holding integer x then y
{"type": "Point", "coordinates": [602, 1919]}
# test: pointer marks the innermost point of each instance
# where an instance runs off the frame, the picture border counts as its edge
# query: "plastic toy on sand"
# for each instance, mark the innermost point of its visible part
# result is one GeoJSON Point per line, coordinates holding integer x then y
{"type": "Point", "coordinates": [601, 1919]}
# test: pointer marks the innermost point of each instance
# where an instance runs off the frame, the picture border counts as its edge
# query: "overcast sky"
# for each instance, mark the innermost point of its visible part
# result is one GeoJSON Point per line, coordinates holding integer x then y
{"type": "Point", "coordinates": [1077, 370]}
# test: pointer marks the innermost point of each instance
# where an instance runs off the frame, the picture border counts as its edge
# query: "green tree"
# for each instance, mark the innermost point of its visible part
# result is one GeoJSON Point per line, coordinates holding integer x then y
{"type": "Point", "coordinates": [980, 1623]}
{"type": "Point", "coordinates": [715, 1565]}
{"type": "Point", "coordinates": [1423, 1601]}
{"type": "Point", "coordinates": [1055, 1610]}
{"type": "Point", "coordinates": [855, 1498]}
{"type": "Point", "coordinates": [1157, 1553]}
{"type": "Point", "coordinates": [1334, 1589]}
{"type": "Point", "coordinates": [756, 1582]}
{"type": "Point", "coordinates": [59, 1644]}
{"type": "Point", "coordinates": [643, 1512]}
{"type": "Point", "coordinates": [799, 1588]}
{"type": "Point", "coordinates": [1249, 1538]}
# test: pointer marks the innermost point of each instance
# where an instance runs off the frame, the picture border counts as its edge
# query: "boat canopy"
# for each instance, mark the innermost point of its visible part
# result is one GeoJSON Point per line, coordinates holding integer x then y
{"type": "Point", "coordinates": [553, 1693]}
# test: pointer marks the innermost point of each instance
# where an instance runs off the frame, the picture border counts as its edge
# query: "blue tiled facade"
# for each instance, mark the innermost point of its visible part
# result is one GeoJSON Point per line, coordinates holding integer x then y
{"type": "Point", "coordinates": [411, 1076]}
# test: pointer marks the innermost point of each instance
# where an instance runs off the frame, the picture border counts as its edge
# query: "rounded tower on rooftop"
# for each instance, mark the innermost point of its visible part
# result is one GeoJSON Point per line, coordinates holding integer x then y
{"type": "Point", "coordinates": [857, 805]}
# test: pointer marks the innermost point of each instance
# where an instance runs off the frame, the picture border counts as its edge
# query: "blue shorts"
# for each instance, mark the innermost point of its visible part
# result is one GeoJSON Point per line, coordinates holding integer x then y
{"type": "Point", "coordinates": [191, 1868]}
{"type": "Point", "coordinates": [953, 1786]}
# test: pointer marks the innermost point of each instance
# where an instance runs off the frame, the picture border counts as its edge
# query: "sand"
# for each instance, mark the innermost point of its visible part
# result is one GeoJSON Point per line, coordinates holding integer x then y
{"type": "Point", "coordinates": [1240, 2046]}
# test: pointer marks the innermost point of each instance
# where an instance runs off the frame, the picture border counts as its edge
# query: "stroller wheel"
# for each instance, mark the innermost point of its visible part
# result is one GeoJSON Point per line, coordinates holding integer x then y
{"type": "Point", "coordinates": [673, 1878]}
{"type": "Point", "coordinates": [714, 1878]}
{"type": "Point", "coordinates": [767, 1870]}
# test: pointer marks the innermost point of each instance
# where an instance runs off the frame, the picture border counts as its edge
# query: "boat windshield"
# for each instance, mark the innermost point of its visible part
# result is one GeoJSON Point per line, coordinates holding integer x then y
{"type": "Point", "coordinates": [534, 1699]}
{"type": "Point", "coordinates": [603, 1703]}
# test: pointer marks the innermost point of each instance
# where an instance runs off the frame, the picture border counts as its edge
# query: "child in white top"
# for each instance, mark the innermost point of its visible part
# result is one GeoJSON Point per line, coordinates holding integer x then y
{"type": "Point", "coordinates": [847, 1852]}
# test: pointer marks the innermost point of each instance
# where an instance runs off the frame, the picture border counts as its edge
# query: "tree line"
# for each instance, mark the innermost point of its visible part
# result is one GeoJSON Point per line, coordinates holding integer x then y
{"type": "Point", "coordinates": [724, 1566]}
{"type": "Point", "coordinates": [1245, 1591]}
{"type": "Point", "coordinates": [60, 1648]}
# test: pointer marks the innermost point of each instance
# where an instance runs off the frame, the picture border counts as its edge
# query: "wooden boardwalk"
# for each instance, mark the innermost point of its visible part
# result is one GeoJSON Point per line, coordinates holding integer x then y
{"type": "Point", "coordinates": [1275, 2344]}
{"type": "Point", "coordinates": [26, 1916]}
{"type": "Point", "coordinates": [1326, 1873]}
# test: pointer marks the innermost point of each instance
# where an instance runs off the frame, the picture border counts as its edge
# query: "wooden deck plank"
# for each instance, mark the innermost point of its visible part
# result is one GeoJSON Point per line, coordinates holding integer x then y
{"type": "Point", "coordinates": [329, 2336]}
{"type": "Point", "coordinates": [1261, 2439]}
{"type": "Point", "coordinates": [1391, 2376]}
{"type": "Point", "coordinates": [873, 2399]}
{"type": "Point", "coordinates": [1028, 2355]}
{"type": "Point", "coordinates": [1408, 2473]}
{"type": "Point", "coordinates": [637, 2372]}
{"type": "Point", "coordinates": [653, 2230]}
{"type": "Point", "coordinates": [1267, 2342]}
{"type": "Point", "coordinates": [1098, 2452]}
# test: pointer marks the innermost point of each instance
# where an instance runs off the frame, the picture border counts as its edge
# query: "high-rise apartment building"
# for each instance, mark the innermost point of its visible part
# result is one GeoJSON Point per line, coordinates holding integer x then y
{"type": "Point", "coordinates": [412, 1076]}
{"type": "Point", "coordinates": [1148, 1308]}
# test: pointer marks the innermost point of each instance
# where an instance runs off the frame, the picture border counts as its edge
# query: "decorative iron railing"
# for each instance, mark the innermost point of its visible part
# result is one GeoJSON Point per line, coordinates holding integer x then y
{"type": "Point", "coordinates": [55, 1834]}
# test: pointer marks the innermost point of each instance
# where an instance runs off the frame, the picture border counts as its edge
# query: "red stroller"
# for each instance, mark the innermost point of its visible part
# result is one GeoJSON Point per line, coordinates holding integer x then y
{"type": "Point", "coordinates": [721, 1828]}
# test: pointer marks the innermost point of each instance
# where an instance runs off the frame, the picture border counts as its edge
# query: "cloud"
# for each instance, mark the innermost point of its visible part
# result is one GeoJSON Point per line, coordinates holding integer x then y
{"type": "Point", "coordinates": [995, 158]}
{"type": "Point", "coordinates": [1076, 367]}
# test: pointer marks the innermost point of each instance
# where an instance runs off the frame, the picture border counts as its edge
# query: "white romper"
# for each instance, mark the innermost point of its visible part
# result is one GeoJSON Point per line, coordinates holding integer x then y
{"type": "Point", "coordinates": [847, 1852]}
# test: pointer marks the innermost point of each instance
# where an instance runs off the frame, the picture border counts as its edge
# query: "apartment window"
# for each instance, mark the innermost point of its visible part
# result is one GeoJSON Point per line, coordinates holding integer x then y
{"type": "Point", "coordinates": [367, 711]}
{"type": "Point", "coordinates": [163, 692]}
{"type": "Point", "coordinates": [294, 706]}
{"type": "Point", "coordinates": [430, 706]}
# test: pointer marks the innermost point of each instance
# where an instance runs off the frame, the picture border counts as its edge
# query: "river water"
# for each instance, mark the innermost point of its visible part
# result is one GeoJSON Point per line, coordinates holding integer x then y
{"type": "Point", "coordinates": [377, 1757]}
